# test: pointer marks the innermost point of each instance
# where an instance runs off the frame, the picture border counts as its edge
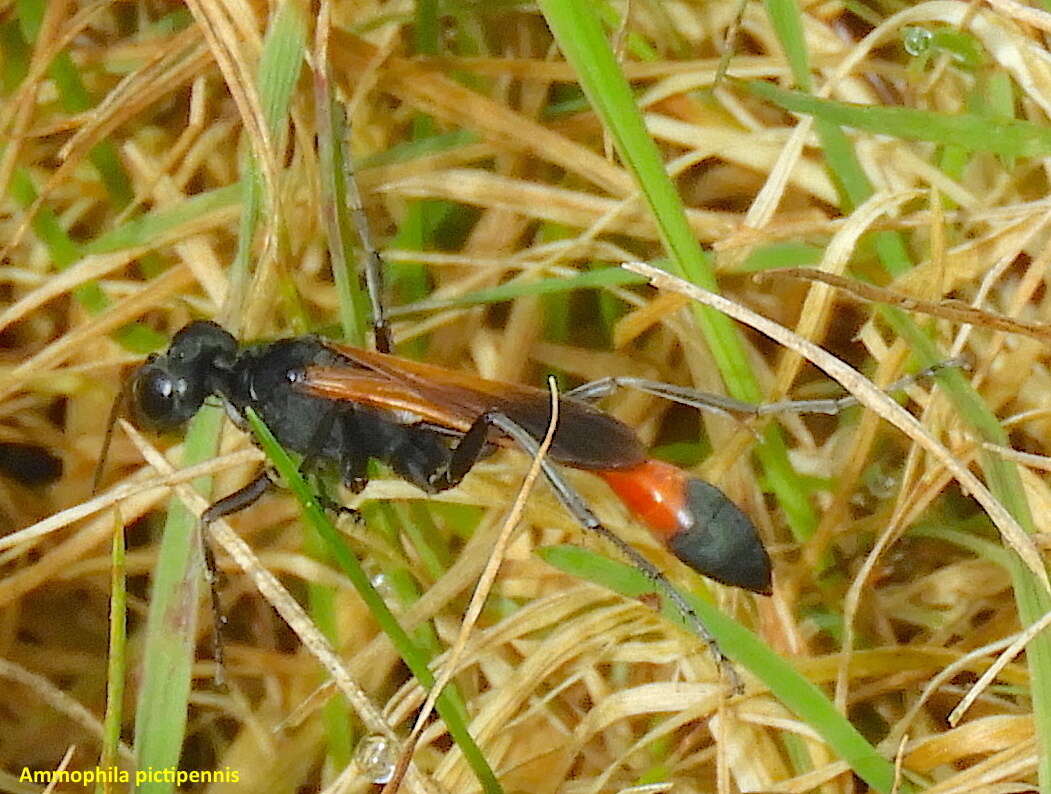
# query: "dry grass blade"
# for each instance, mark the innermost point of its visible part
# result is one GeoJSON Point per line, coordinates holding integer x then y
{"type": "Point", "coordinates": [126, 490]}
{"type": "Point", "coordinates": [948, 309]}
{"type": "Point", "coordinates": [176, 279]}
{"type": "Point", "coordinates": [1004, 659]}
{"type": "Point", "coordinates": [235, 44]}
{"type": "Point", "coordinates": [432, 92]}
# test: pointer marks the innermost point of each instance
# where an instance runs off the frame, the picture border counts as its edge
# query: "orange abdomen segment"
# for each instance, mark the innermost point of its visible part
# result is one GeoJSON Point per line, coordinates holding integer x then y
{"type": "Point", "coordinates": [696, 520]}
{"type": "Point", "coordinates": [655, 492]}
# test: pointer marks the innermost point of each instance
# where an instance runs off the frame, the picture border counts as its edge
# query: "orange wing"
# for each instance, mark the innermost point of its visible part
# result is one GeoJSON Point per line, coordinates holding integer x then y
{"type": "Point", "coordinates": [586, 437]}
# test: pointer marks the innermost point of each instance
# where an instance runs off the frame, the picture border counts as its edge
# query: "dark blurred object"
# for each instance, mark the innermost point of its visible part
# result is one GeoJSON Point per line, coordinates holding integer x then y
{"type": "Point", "coordinates": [29, 464]}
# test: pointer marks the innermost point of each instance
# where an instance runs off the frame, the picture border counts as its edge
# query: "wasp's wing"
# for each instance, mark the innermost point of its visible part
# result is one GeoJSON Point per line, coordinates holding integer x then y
{"type": "Point", "coordinates": [585, 438]}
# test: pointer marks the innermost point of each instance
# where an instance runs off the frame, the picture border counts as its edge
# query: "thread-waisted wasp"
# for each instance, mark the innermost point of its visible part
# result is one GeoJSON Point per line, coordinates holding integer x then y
{"type": "Point", "coordinates": [343, 406]}
{"type": "Point", "coordinates": [340, 406]}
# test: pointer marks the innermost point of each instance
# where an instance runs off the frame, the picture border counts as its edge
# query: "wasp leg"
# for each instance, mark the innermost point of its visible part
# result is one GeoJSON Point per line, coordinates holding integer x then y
{"type": "Point", "coordinates": [353, 462]}
{"type": "Point", "coordinates": [333, 506]}
{"type": "Point", "coordinates": [835, 405]}
{"type": "Point", "coordinates": [374, 266]}
{"type": "Point", "coordinates": [317, 440]}
{"type": "Point", "coordinates": [462, 457]}
{"type": "Point", "coordinates": [471, 447]}
{"type": "Point", "coordinates": [728, 406]}
{"type": "Point", "coordinates": [239, 499]}
{"type": "Point", "coordinates": [315, 449]}
{"type": "Point", "coordinates": [424, 459]}
{"type": "Point", "coordinates": [578, 508]}
{"type": "Point", "coordinates": [705, 401]}
{"type": "Point", "coordinates": [213, 576]}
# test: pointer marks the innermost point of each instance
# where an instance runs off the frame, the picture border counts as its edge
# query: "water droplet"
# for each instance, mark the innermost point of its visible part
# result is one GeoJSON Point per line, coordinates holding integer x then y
{"type": "Point", "coordinates": [916, 40]}
{"type": "Point", "coordinates": [375, 756]}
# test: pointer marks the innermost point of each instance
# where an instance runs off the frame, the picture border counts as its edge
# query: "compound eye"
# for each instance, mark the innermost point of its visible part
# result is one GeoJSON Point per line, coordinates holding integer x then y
{"type": "Point", "coordinates": [155, 398]}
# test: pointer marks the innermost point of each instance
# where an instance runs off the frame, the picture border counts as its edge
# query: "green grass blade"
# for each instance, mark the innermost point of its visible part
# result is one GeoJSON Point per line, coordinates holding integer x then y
{"type": "Point", "coordinates": [117, 669]}
{"type": "Point", "coordinates": [790, 687]}
{"type": "Point", "coordinates": [171, 624]}
{"type": "Point", "coordinates": [145, 230]}
{"type": "Point", "coordinates": [1004, 137]}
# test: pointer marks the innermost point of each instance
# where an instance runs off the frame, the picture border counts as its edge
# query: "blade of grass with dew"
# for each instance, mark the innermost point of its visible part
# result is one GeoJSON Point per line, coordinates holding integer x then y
{"type": "Point", "coordinates": [584, 45]}
{"type": "Point", "coordinates": [1031, 598]}
{"type": "Point", "coordinates": [791, 688]}
{"type": "Point", "coordinates": [449, 704]}
{"type": "Point", "coordinates": [390, 523]}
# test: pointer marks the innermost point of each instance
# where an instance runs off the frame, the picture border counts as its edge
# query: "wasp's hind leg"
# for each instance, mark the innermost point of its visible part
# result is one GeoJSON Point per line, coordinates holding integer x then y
{"type": "Point", "coordinates": [579, 509]}
{"type": "Point", "coordinates": [728, 406]}
{"type": "Point", "coordinates": [212, 574]}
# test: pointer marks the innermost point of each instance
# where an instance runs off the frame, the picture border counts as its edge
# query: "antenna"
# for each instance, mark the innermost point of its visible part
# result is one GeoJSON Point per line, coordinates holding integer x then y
{"type": "Point", "coordinates": [114, 412]}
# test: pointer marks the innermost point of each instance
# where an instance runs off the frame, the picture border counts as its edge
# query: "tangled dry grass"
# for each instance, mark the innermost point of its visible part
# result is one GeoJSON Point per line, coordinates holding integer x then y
{"type": "Point", "coordinates": [137, 136]}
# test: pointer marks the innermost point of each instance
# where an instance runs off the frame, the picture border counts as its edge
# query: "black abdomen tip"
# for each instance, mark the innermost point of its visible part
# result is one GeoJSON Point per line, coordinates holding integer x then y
{"type": "Point", "coordinates": [719, 541]}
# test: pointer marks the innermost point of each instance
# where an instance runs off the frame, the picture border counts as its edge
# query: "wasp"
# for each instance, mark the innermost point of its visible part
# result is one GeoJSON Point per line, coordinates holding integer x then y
{"type": "Point", "coordinates": [340, 406]}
